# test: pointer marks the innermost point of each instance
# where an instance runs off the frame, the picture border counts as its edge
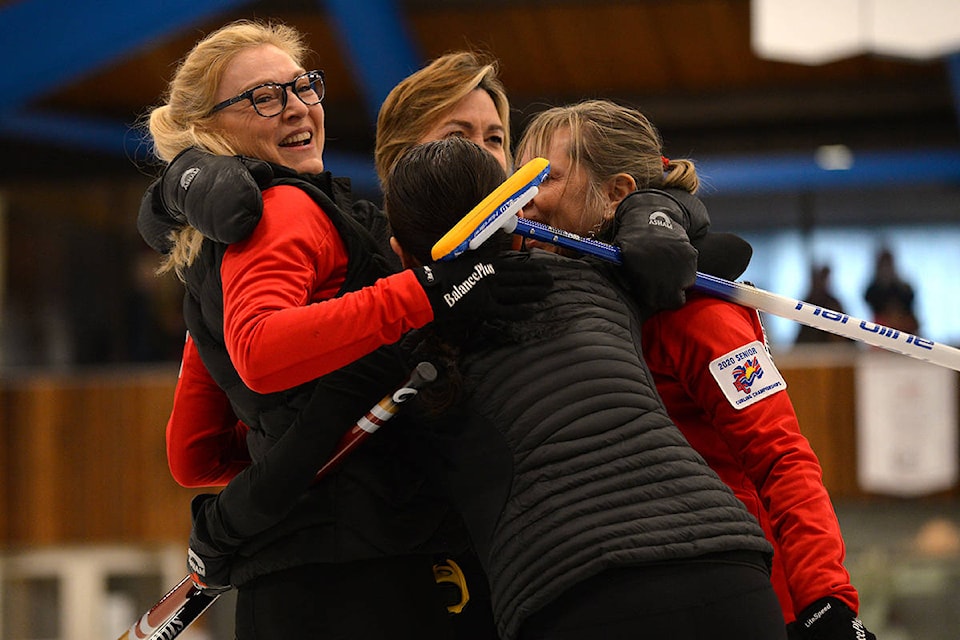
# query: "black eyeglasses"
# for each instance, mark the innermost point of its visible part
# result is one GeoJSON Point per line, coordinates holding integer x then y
{"type": "Point", "coordinates": [270, 99]}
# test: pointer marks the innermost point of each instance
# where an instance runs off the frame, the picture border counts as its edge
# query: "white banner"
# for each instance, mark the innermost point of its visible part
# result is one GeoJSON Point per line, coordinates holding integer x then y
{"type": "Point", "coordinates": [906, 425]}
{"type": "Point", "coordinates": [817, 32]}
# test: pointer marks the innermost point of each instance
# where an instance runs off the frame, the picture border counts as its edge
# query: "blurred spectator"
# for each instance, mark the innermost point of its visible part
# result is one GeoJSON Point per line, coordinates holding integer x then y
{"type": "Point", "coordinates": [821, 295]}
{"type": "Point", "coordinates": [153, 329]}
{"type": "Point", "coordinates": [889, 296]}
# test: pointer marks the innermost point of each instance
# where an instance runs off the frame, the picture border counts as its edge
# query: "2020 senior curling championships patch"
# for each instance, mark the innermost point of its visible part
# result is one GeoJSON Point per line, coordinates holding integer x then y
{"type": "Point", "coordinates": [747, 375]}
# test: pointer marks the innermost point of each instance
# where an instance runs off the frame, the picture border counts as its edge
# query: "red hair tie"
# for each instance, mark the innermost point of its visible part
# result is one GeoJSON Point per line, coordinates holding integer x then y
{"type": "Point", "coordinates": [666, 162]}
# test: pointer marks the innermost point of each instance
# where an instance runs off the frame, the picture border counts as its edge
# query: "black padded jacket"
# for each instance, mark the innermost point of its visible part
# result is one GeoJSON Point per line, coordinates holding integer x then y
{"type": "Point", "coordinates": [562, 459]}
{"type": "Point", "coordinates": [376, 503]}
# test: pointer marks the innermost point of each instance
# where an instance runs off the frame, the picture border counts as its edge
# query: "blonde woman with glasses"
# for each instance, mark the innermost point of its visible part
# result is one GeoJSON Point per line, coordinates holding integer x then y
{"type": "Point", "coordinates": [290, 301]}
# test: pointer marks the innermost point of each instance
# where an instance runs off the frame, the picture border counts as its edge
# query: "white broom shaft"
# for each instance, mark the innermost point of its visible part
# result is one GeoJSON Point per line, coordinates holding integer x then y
{"type": "Point", "coordinates": [797, 310]}
{"type": "Point", "coordinates": [831, 321]}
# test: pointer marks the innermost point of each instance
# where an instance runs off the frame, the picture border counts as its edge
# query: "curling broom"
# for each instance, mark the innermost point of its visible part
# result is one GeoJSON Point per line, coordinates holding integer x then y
{"type": "Point", "coordinates": [499, 211]}
{"type": "Point", "coordinates": [185, 602]}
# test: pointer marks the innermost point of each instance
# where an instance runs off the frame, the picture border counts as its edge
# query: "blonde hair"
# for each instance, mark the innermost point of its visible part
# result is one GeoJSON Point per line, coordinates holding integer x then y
{"type": "Point", "coordinates": [607, 139]}
{"type": "Point", "coordinates": [184, 119]}
{"type": "Point", "coordinates": [422, 98]}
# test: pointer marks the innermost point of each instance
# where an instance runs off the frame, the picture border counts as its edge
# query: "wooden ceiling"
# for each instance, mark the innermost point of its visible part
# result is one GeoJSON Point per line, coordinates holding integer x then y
{"type": "Point", "coordinates": [688, 64]}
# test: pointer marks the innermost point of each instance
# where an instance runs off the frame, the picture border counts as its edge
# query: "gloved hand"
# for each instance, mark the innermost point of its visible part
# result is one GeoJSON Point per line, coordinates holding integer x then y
{"type": "Point", "coordinates": [828, 619]}
{"type": "Point", "coordinates": [219, 195]}
{"type": "Point", "coordinates": [153, 223]}
{"type": "Point", "coordinates": [658, 258]}
{"type": "Point", "coordinates": [211, 546]}
{"type": "Point", "coordinates": [474, 287]}
{"type": "Point", "coordinates": [724, 255]}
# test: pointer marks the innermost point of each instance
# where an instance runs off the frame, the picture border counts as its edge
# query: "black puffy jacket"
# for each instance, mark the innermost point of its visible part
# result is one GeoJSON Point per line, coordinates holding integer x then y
{"type": "Point", "coordinates": [562, 459]}
{"type": "Point", "coordinates": [376, 503]}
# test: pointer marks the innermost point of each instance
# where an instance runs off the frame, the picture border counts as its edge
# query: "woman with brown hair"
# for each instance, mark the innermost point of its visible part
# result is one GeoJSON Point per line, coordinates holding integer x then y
{"type": "Point", "coordinates": [458, 94]}
{"type": "Point", "coordinates": [591, 515]}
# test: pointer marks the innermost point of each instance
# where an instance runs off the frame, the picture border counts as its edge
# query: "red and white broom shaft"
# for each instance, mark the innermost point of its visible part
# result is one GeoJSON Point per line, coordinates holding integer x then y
{"type": "Point", "coordinates": [183, 604]}
{"type": "Point", "coordinates": [165, 619]}
{"type": "Point", "coordinates": [379, 414]}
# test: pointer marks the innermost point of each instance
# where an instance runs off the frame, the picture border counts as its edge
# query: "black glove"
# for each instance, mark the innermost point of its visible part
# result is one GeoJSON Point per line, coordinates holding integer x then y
{"type": "Point", "coordinates": [153, 223]}
{"type": "Point", "coordinates": [828, 619]}
{"type": "Point", "coordinates": [473, 287]}
{"type": "Point", "coordinates": [219, 195]}
{"type": "Point", "coordinates": [211, 546]}
{"type": "Point", "coordinates": [724, 255]}
{"type": "Point", "coordinates": [658, 258]}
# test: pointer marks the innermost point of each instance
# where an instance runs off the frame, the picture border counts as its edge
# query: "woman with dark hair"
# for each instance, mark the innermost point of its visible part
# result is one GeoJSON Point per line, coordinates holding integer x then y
{"type": "Point", "coordinates": [591, 514]}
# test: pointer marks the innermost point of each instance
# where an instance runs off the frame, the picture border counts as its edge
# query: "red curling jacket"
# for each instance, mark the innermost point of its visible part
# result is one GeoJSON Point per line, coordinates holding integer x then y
{"type": "Point", "coordinates": [284, 326]}
{"type": "Point", "coordinates": [206, 443]}
{"type": "Point", "coordinates": [711, 366]}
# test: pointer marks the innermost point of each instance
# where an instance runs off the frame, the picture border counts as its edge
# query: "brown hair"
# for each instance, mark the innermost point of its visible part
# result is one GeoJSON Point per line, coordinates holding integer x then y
{"type": "Point", "coordinates": [432, 186]}
{"type": "Point", "coordinates": [607, 139]}
{"type": "Point", "coordinates": [425, 96]}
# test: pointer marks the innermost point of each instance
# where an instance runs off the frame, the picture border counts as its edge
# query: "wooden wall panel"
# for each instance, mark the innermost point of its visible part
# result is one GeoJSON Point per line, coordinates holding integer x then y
{"type": "Point", "coordinates": [85, 460]}
{"type": "Point", "coordinates": [5, 474]}
{"type": "Point", "coordinates": [824, 400]}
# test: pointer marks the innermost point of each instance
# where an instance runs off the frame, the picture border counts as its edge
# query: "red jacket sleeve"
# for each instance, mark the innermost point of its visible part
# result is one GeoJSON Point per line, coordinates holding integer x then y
{"type": "Point", "coordinates": [282, 325]}
{"type": "Point", "coordinates": [762, 439]}
{"type": "Point", "coordinates": [206, 443]}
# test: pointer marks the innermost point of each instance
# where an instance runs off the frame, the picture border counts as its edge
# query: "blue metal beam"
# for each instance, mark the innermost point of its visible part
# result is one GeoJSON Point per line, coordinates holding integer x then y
{"type": "Point", "coordinates": [76, 42]}
{"type": "Point", "coordinates": [111, 138]}
{"type": "Point", "coordinates": [721, 175]}
{"type": "Point", "coordinates": [800, 172]}
{"type": "Point", "coordinates": [72, 132]}
{"type": "Point", "coordinates": [953, 68]}
{"type": "Point", "coordinates": [52, 42]}
{"type": "Point", "coordinates": [376, 40]}
{"type": "Point", "coordinates": [49, 43]}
